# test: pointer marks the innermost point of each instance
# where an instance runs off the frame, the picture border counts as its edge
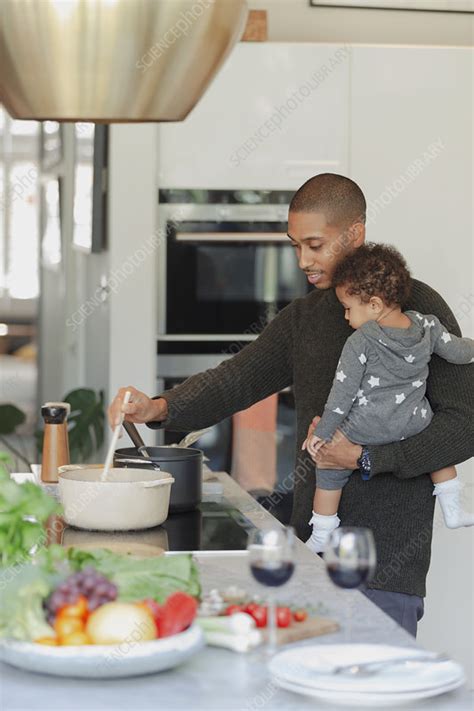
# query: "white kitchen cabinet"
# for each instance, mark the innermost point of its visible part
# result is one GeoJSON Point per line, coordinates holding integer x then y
{"type": "Point", "coordinates": [411, 152]}
{"type": "Point", "coordinates": [276, 114]}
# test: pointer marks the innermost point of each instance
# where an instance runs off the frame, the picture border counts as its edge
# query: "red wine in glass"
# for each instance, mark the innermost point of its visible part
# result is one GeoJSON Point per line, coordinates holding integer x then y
{"type": "Point", "coordinates": [273, 576]}
{"type": "Point", "coordinates": [271, 559]}
{"type": "Point", "coordinates": [348, 577]}
{"type": "Point", "coordinates": [350, 559]}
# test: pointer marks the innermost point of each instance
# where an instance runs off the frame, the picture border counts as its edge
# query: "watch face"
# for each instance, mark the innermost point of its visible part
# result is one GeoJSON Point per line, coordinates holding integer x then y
{"type": "Point", "coordinates": [364, 460]}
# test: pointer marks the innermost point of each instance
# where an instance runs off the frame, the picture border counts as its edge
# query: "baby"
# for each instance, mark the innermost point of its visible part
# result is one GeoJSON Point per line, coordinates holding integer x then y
{"type": "Point", "coordinates": [378, 393]}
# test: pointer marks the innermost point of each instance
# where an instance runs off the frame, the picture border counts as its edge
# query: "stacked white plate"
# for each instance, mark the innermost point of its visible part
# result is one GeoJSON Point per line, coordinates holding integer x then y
{"type": "Point", "coordinates": [309, 670]}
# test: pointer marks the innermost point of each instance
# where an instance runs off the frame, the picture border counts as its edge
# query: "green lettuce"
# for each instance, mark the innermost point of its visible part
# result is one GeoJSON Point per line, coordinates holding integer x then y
{"type": "Point", "coordinates": [139, 578]}
{"type": "Point", "coordinates": [23, 590]}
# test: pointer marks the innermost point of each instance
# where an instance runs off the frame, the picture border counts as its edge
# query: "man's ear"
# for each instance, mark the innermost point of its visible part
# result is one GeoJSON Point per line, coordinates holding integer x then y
{"type": "Point", "coordinates": [357, 234]}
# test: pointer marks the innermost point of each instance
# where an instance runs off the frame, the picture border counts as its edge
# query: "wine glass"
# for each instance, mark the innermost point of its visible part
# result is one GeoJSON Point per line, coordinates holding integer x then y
{"type": "Point", "coordinates": [350, 559]}
{"type": "Point", "coordinates": [271, 558]}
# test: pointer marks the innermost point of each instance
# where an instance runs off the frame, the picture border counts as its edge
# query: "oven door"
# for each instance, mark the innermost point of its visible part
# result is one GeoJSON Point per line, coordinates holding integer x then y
{"type": "Point", "coordinates": [228, 277]}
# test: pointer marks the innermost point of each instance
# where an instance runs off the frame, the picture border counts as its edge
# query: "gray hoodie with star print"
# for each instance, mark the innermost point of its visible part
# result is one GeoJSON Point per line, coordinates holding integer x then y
{"type": "Point", "coordinates": [378, 393]}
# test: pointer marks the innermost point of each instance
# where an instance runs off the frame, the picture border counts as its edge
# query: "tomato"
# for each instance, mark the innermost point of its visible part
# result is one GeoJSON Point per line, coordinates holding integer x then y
{"type": "Point", "coordinates": [250, 607]}
{"type": "Point", "coordinates": [300, 615]}
{"type": "Point", "coordinates": [75, 639]}
{"type": "Point", "coordinates": [232, 609]}
{"type": "Point", "coordinates": [64, 625]}
{"type": "Point", "coordinates": [259, 614]}
{"type": "Point", "coordinates": [78, 609]}
{"type": "Point", "coordinates": [283, 615]}
{"type": "Point", "coordinates": [52, 641]}
{"type": "Point", "coordinates": [177, 614]}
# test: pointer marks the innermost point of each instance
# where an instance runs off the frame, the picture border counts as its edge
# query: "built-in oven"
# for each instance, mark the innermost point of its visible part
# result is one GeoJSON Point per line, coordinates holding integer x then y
{"type": "Point", "coordinates": [226, 266]}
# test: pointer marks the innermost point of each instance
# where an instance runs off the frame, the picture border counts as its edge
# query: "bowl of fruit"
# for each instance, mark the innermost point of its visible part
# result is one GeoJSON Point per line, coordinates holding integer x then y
{"type": "Point", "coordinates": [101, 615]}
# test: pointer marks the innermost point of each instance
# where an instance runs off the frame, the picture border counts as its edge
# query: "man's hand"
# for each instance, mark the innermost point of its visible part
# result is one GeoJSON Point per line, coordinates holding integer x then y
{"type": "Point", "coordinates": [140, 408]}
{"type": "Point", "coordinates": [339, 453]}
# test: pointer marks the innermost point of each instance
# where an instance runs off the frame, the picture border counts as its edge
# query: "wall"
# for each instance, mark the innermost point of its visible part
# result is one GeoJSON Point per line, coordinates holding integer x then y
{"type": "Point", "coordinates": [296, 21]}
{"type": "Point", "coordinates": [133, 263]}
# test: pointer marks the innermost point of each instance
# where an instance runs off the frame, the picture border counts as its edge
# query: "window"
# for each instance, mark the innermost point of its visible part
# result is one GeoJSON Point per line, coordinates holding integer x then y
{"type": "Point", "coordinates": [19, 200]}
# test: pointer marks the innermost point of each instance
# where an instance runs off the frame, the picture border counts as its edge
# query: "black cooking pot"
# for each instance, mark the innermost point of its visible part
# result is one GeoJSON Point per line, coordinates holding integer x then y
{"type": "Point", "coordinates": [183, 463]}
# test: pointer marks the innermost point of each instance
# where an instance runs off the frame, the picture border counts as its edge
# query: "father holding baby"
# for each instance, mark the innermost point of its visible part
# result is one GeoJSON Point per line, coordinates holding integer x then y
{"type": "Point", "coordinates": [301, 347]}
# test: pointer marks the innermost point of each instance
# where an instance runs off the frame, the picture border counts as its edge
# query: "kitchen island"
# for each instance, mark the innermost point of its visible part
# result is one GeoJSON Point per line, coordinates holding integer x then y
{"type": "Point", "coordinates": [217, 678]}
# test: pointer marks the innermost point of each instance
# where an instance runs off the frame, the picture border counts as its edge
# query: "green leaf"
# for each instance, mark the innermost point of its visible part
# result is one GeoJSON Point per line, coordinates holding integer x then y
{"type": "Point", "coordinates": [19, 504]}
{"type": "Point", "coordinates": [86, 434]}
{"type": "Point", "coordinates": [24, 590]}
{"type": "Point", "coordinates": [32, 534]}
{"type": "Point", "coordinates": [10, 418]}
{"type": "Point", "coordinates": [139, 578]}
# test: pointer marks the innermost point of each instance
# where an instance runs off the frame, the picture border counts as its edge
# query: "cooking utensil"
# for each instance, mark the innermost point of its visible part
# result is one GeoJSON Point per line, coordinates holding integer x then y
{"type": "Point", "coordinates": [136, 438]}
{"type": "Point", "coordinates": [129, 499]}
{"type": "Point", "coordinates": [114, 440]}
{"type": "Point", "coordinates": [191, 438]}
{"type": "Point", "coordinates": [184, 464]}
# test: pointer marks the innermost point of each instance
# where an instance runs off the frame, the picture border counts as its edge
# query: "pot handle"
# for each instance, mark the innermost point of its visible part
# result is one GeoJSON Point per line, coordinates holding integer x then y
{"type": "Point", "coordinates": [140, 460]}
{"type": "Point", "coordinates": [156, 482]}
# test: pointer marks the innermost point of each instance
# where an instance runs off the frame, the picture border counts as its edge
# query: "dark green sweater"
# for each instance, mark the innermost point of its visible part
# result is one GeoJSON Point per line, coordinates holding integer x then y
{"type": "Point", "coordinates": [301, 347]}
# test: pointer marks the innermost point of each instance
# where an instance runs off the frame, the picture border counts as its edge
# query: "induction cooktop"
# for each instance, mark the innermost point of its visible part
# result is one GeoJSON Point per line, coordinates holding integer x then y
{"type": "Point", "coordinates": [213, 526]}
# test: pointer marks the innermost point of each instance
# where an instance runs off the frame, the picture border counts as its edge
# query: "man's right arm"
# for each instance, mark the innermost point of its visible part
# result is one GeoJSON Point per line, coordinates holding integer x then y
{"type": "Point", "coordinates": [261, 368]}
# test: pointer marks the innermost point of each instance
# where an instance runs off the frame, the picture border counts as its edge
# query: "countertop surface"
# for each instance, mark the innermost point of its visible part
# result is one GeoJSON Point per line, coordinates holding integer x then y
{"type": "Point", "coordinates": [220, 679]}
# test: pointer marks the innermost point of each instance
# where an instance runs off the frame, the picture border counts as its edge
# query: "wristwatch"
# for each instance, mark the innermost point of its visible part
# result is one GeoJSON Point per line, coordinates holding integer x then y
{"type": "Point", "coordinates": [364, 463]}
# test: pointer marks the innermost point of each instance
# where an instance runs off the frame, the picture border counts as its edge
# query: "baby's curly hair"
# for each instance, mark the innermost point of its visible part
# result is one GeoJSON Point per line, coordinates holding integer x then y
{"type": "Point", "coordinates": [375, 270]}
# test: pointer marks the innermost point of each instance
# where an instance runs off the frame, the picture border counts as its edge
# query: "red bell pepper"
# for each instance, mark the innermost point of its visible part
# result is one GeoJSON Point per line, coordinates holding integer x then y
{"type": "Point", "coordinates": [176, 614]}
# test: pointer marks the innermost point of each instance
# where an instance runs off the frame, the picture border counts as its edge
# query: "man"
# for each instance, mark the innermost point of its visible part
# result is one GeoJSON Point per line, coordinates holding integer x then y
{"type": "Point", "coordinates": [301, 347]}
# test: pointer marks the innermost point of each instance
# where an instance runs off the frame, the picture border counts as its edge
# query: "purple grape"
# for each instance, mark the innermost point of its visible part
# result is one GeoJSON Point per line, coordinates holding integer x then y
{"type": "Point", "coordinates": [93, 603]}
{"type": "Point", "coordinates": [88, 582]}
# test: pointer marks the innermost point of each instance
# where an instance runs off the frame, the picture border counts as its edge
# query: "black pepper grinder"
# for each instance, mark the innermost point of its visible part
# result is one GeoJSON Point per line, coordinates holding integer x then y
{"type": "Point", "coordinates": [55, 439]}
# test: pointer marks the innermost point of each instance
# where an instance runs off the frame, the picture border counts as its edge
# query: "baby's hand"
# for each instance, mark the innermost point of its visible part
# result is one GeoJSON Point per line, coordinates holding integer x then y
{"type": "Point", "coordinates": [311, 427]}
{"type": "Point", "coordinates": [313, 444]}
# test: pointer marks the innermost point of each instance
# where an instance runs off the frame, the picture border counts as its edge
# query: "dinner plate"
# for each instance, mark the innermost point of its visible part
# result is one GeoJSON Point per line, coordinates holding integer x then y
{"type": "Point", "coordinates": [104, 661]}
{"type": "Point", "coordinates": [378, 700]}
{"type": "Point", "coordinates": [311, 666]}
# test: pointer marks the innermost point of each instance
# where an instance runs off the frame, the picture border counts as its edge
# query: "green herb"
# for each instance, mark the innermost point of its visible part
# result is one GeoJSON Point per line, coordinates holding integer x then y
{"type": "Point", "coordinates": [139, 578]}
{"type": "Point", "coordinates": [21, 612]}
{"type": "Point", "coordinates": [24, 509]}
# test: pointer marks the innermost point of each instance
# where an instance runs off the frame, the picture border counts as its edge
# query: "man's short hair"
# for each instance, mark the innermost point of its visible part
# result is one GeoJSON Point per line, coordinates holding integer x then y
{"type": "Point", "coordinates": [337, 197]}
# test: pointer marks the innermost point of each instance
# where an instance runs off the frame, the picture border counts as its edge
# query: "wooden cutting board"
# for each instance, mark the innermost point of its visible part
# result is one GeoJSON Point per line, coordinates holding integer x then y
{"type": "Point", "coordinates": [311, 627]}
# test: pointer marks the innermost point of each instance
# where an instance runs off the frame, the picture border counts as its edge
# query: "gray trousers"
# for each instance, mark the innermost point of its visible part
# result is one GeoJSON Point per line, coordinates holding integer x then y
{"type": "Point", "coordinates": [406, 610]}
{"type": "Point", "coordinates": [332, 478]}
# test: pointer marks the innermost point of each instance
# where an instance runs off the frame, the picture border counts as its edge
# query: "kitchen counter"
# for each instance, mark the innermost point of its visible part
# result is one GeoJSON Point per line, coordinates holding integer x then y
{"type": "Point", "coordinates": [217, 678]}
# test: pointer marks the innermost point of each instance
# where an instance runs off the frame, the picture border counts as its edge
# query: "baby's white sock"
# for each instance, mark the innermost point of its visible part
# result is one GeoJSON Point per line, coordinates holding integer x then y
{"type": "Point", "coordinates": [322, 528]}
{"type": "Point", "coordinates": [449, 497]}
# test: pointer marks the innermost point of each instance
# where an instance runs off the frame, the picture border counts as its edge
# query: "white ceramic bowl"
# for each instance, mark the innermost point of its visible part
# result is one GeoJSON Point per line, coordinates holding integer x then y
{"type": "Point", "coordinates": [129, 499]}
{"type": "Point", "coordinates": [103, 662]}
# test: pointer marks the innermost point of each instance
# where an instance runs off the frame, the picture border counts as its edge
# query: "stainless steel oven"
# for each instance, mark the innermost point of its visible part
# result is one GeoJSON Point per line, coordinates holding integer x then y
{"type": "Point", "coordinates": [226, 266]}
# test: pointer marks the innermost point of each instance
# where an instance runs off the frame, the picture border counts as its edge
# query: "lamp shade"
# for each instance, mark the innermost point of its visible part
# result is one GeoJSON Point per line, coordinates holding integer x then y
{"type": "Point", "coordinates": [112, 60]}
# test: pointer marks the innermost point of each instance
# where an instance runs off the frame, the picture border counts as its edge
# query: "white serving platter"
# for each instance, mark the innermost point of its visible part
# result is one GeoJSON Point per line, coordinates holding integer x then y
{"type": "Point", "coordinates": [104, 661]}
